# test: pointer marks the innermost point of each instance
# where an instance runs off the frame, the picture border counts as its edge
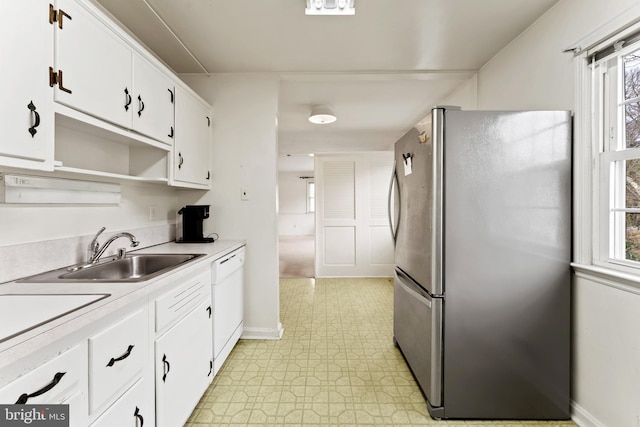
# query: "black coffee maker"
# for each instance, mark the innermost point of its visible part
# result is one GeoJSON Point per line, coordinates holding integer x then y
{"type": "Point", "coordinates": [189, 224]}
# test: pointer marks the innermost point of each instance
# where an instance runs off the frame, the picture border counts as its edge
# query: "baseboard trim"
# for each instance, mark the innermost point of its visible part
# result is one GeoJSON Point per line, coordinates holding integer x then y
{"type": "Point", "coordinates": [580, 416]}
{"type": "Point", "coordinates": [262, 333]}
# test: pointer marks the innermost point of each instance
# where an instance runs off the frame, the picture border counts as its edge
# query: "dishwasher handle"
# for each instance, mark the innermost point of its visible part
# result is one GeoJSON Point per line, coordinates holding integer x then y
{"type": "Point", "coordinates": [227, 265]}
{"type": "Point", "coordinates": [228, 259]}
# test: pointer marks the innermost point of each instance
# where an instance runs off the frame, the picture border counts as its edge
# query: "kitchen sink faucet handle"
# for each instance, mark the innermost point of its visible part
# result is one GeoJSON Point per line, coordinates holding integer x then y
{"type": "Point", "coordinates": [94, 246]}
{"type": "Point", "coordinates": [96, 250]}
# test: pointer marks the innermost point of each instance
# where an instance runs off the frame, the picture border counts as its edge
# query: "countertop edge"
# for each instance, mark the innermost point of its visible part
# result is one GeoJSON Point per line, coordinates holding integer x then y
{"type": "Point", "coordinates": [122, 295]}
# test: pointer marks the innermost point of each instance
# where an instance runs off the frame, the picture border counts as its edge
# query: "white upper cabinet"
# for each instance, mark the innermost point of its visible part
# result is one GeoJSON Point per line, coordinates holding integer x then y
{"type": "Point", "coordinates": [75, 82]}
{"type": "Point", "coordinates": [153, 101]}
{"type": "Point", "coordinates": [104, 77]}
{"type": "Point", "coordinates": [26, 110]}
{"type": "Point", "coordinates": [191, 143]}
{"type": "Point", "coordinates": [92, 66]}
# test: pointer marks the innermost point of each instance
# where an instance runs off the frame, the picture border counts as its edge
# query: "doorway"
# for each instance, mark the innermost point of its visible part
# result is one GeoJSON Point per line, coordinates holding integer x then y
{"type": "Point", "coordinates": [296, 217]}
{"type": "Point", "coordinates": [297, 256]}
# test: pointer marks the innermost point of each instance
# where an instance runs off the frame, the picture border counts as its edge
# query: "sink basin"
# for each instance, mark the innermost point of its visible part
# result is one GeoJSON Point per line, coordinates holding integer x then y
{"type": "Point", "coordinates": [131, 268]}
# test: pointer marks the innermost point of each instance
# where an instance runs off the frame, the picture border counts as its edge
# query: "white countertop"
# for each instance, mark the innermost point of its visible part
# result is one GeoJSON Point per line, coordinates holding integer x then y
{"type": "Point", "coordinates": [37, 336]}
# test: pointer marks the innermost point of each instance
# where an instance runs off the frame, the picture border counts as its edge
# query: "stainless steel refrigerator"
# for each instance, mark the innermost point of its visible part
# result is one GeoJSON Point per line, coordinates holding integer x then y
{"type": "Point", "coordinates": [482, 229]}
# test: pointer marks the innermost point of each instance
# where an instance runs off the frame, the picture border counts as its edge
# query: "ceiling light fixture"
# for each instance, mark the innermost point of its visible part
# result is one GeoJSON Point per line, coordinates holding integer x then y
{"type": "Point", "coordinates": [321, 115]}
{"type": "Point", "coordinates": [330, 7]}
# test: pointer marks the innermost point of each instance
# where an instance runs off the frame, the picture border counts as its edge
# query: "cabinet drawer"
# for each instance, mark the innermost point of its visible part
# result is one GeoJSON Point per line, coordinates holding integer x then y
{"type": "Point", "coordinates": [54, 382]}
{"type": "Point", "coordinates": [130, 410]}
{"type": "Point", "coordinates": [226, 265]}
{"type": "Point", "coordinates": [116, 357]}
{"type": "Point", "coordinates": [172, 306]}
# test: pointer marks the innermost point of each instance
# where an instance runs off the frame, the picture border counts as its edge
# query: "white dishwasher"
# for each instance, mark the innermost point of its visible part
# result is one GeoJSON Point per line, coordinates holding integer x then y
{"type": "Point", "coordinates": [227, 278]}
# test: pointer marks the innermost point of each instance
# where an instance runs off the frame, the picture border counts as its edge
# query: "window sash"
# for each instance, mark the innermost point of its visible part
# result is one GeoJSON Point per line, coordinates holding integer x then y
{"type": "Point", "coordinates": [311, 197]}
{"type": "Point", "coordinates": [609, 128]}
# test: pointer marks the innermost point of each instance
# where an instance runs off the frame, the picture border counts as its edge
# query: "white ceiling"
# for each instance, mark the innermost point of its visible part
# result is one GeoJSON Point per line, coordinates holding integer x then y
{"type": "Point", "coordinates": [380, 70]}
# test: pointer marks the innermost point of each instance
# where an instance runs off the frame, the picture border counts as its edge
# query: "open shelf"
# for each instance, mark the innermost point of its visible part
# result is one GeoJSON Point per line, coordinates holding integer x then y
{"type": "Point", "coordinates": [81, 122]}
{"type": "Point", "coordinates": [95, 148]}
{"type": "Point", "coordinates": [117, 176]}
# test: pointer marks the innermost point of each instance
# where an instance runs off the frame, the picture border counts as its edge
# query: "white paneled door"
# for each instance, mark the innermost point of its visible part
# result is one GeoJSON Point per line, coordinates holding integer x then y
{"type": "Point", "coordinates": [352, 230]}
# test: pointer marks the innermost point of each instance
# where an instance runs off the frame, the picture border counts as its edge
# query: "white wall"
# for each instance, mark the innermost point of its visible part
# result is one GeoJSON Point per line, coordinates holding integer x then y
{"type": "Point", "coordinates": [244, 155]}
{"type": "Point", "coordinates": [465, 96]}
{"type": "Point", "coordinates": [58, 235]}
{"type": "Point", "coordinates": [292, 205]}
{"type": "Point", "coordinates": [533, 73]}
{"type": "Point", "coordinates": [607, 352]}
{"type": "Point", "coordinates": [35, 223]}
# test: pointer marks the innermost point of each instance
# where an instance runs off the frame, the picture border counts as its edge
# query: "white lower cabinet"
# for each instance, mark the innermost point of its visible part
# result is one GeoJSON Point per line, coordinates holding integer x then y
{"type": "Point", "coordinates": [144, 366]}
{"type": "Point", "coordinates": [184, 366]}
{"type": "Point", "coordinates": [130, 410]}
{"type": "Point", "coordinates": [61, 380]}
{"type": "Point", "coordinates": [77, 408]}
{"type": "Point", "coordinates": [117, 357]}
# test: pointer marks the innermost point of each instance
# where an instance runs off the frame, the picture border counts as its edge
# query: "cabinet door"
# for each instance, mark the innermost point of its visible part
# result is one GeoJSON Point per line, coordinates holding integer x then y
{"type": "Point", "coordinates": [191, 145]}
{"type": "Point", "coordinates": [26, 110]}
{"type": "Point", "coordinates": [130, 410]}
{"type": "Point", "coordinates": [184, 367]}
{"type": "Point", "coordinates": [95, 64]}
{"type": "Point", "coordinates": [153, 101]}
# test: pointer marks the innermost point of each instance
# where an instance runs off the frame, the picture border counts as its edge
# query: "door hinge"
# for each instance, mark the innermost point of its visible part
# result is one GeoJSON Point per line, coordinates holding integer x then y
{"type": "Point", "coordinates": [208, 122]}
{"type": "Point", "coordinates": [55, 78]}
{"type": "Point", "coordinates": [57, 15]}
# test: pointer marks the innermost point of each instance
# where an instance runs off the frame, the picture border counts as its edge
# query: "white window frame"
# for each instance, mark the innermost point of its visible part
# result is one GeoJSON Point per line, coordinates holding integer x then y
{"type": "Point", "coordinates": [610, 134]}
{"type": "Point", "coordinates": [593, 175]}
{"type": "Point", "coordinates": [311, 199]}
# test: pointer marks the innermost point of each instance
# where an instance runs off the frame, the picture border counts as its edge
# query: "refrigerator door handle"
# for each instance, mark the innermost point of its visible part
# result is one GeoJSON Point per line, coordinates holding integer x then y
{"type": "Point", "coordinates": [406, 283]}
{"type": "Point", "coordinates": [394, 181]}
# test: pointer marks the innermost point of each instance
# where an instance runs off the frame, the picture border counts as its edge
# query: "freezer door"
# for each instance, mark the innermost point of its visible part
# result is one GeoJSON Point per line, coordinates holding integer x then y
{"type": "Point", "coordinates": [418, 169]}
{"type": "Point", "coordinates": [417, 329]}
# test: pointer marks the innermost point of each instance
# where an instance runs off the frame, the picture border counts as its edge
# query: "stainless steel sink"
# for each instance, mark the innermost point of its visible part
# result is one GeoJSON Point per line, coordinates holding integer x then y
{"type": "Point", "coordinates": [131, 268]}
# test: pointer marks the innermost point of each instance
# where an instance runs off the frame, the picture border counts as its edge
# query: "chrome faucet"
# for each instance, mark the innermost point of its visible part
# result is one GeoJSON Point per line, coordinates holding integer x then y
{"type": "Point", "coordinates": [95, 251]}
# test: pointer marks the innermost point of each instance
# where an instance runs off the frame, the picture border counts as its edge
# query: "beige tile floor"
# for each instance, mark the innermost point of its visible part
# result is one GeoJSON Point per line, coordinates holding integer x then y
{"type": "Point", "coordinates": [335, 366]}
